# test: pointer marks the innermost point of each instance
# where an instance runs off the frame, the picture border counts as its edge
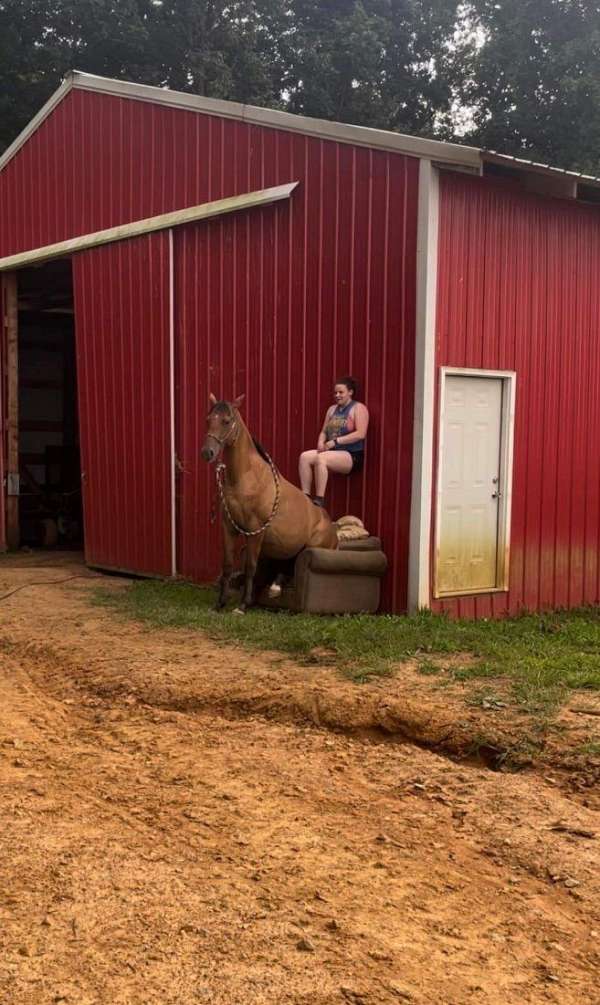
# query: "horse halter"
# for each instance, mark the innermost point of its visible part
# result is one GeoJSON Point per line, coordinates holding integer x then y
{"type": "Point", "coordinates": [224, 441]}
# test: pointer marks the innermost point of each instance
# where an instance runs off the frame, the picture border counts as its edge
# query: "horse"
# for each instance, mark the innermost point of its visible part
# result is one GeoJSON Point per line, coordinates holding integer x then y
{"type": "Point", "coordinates": [276, 519]}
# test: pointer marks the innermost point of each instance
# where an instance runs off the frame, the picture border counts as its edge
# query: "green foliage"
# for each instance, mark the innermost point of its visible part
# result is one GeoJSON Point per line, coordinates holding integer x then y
{"type": "Point", "coordinates": [522, 76]}
{"type": "Point", "coordinates": [534, 83]}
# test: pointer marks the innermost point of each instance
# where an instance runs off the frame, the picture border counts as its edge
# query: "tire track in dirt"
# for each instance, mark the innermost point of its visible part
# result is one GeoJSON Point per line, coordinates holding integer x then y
{"type": "Point", "coordinates": [175, 856]}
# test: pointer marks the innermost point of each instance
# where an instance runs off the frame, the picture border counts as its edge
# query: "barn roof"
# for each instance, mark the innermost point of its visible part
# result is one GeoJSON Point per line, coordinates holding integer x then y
{"type": "Point", "coordinates": [475, 160]}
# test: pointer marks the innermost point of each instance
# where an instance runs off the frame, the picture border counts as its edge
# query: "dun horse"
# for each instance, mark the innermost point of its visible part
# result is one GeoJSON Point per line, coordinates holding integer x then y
{"type": "Point", "coordinates": [276, 518]}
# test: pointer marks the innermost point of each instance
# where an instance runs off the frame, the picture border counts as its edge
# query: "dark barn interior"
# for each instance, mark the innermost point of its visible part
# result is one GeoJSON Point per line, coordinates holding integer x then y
{"type": "Point", "coordinates": [50, 511]}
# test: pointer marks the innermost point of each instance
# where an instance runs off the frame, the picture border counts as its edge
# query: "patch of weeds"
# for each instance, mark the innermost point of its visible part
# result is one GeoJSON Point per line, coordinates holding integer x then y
{"type": "Point", "coordinates": [522, 754]}
{"type": "Point", "coordinates": [590, 747]}
{"type": "Point", "coordinates": [483, 748]}
{"type": "Point", "coordinates": [361, 672]}
{"type": "Point", "coordinates": [473, 671]}
{"type": "Point", "coordinates": [487, 699]}
{"type": "Point", "coordinates": [428, 668]}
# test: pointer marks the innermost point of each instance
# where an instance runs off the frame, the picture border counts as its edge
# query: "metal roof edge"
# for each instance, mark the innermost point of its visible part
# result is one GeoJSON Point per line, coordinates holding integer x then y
{"type": "Point", "coordinates": [54, 100]}
{"type": "Point", "coordinates": [521, 163]}
{"type": "Point", "coordinates": [381, 139]}
{"type": "Point", "coordinates": [448, 155]}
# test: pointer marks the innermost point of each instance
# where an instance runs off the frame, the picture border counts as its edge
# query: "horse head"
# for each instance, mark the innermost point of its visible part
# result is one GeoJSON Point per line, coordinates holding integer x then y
{"type": "Point", "coordinates": [222, 427]}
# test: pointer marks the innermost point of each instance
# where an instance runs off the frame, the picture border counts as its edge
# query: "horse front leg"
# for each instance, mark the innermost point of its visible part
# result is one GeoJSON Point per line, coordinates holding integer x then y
{"type": "Point", "coordinates": [228, 557]}
{"type": "Point", "coordinates": [253, 547]}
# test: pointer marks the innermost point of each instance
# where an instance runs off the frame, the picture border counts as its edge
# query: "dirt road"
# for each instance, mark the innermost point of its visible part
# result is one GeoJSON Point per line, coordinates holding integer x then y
{"type": "Point", "coordinates": [161, 843]}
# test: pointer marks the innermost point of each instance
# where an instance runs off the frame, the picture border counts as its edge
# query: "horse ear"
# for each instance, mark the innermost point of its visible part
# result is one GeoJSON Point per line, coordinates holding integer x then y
{"type": "Point", "coordinates": [238, 401]}
{"type": "Point", "coordinates": [212, 399]}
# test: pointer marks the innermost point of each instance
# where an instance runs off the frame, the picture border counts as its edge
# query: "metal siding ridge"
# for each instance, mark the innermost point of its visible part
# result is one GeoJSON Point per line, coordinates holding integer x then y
{"type": "Point", "coordinates": [171, 310]}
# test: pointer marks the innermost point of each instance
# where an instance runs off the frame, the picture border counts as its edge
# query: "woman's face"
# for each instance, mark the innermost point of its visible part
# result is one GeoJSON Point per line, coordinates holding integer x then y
{"type": "Point", "coordinates": [342, 394]}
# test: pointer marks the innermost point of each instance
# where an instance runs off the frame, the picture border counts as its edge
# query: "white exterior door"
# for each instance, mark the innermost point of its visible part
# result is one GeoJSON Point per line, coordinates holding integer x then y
{"type": "Point", "coordinates": [469, 484]}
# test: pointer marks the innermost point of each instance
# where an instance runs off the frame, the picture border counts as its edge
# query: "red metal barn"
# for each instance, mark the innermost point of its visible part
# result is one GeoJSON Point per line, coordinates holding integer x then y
{"type": "Point", "coordinates": [155, 246]}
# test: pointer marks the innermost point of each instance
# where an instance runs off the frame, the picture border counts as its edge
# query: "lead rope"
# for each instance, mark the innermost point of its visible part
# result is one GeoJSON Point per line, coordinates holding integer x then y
{"type": "Point", "coordinates": [221, 468]}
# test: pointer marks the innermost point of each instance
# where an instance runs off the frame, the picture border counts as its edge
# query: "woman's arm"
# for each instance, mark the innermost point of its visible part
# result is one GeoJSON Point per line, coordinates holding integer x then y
{"type": "Point", "coordinates": [361, 420]}
{"type": "Point", "coordinates": [321, 441]}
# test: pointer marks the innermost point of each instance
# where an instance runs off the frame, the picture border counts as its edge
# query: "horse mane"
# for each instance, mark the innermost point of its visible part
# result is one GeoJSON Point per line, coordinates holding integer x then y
{"type": "Point", "coordinates": [260, 449]}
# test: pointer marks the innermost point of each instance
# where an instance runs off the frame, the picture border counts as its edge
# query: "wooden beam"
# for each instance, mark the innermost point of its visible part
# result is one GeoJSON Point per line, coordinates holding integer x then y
{"type": "Point", "coordinates": [11, 327]}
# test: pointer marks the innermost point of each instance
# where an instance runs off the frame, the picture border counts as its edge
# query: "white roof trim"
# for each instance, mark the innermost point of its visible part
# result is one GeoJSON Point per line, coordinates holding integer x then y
{"type": "Point", "coordinates": [381, 139]}
{"type": "Point", "coordinates": [494, 157]}
{"type": "Point", "coordinates": [36, 122]}
{"type": "Point", "coordinates": [359, 135]}
{"type": "Point", "coordinates": [448, 155]}
{"type": "Point", "coordinates": [205, 211]}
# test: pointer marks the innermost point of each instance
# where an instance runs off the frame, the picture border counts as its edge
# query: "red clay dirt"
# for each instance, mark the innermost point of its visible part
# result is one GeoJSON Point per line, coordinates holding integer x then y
{"type": "Point", "coordinates": [184, 821]}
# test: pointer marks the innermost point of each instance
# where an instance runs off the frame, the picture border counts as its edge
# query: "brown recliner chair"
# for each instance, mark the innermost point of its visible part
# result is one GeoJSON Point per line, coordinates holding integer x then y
{"type": "Point", "coordinates": [346, 581]}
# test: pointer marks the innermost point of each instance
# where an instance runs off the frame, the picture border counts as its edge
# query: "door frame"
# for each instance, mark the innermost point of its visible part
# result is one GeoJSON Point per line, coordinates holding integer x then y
{"type": "Point", "coordinates": [507, 425]}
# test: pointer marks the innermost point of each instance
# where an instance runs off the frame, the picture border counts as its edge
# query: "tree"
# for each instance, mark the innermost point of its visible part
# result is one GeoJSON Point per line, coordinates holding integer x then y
{"type": "Point", "coordinates": [382, 63]}
{"type": "Point", "coordinates": [521, 76]}
{"type": "Point", "coordinates": [376, 62]}
{"type": "Point", "coordinates": [40, 40]}
{"type": "Point", "coordinates": [533, 80]}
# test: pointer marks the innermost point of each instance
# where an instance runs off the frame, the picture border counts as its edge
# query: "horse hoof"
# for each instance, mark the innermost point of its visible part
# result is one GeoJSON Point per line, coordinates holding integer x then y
{"type": "Point", "coordinates": [274, 591]}
{"type": "Point", "coordinates": [238, 610]}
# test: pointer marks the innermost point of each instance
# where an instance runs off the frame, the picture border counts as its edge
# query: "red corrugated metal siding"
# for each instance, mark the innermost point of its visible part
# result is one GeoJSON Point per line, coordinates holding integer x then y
{"type": "Point", "coordinates": [277, 302]}
{"type": "Point", "coordinates": [518, 290]}
{"type": "Point", "coordinates": [3, 443]}
{"type": "Point", "coordinates": [123, 367]}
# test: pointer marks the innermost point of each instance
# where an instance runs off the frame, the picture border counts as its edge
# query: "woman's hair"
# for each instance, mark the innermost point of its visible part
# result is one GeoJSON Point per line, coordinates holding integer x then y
{"type": "Point", "coordinates": [350, 383]}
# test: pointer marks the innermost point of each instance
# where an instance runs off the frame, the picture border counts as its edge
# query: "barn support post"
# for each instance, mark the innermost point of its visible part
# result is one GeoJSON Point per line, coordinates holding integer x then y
{"type": "Point", "coordinates": [172, 405]}
{"type": "Point", "coordinates": [11, 357]}
{"type": "Point", "coordinates": [419, 560]}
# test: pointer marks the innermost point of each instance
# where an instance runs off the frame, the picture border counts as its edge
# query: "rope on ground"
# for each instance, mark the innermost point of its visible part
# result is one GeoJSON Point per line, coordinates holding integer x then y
{"type": "Point", "coordinates": [48, 582]}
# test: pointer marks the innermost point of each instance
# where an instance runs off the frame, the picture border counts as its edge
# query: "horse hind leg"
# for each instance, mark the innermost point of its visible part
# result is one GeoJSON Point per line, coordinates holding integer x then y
{"type": "Point", "coordinates": [285, 571]}
{"type": "Point", "coordinates": [277, 586]}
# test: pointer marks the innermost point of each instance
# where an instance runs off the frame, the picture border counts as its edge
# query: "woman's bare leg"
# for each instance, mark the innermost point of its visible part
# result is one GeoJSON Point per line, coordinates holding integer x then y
{"type": "Point", "coordinates": [305, 469]}
{"type": "Point", "coordinates": [339, 461]}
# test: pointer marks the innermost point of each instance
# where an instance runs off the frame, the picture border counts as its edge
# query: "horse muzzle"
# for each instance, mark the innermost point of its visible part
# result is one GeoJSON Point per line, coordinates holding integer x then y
{"type": "Point", "coordinates": [210, 452]}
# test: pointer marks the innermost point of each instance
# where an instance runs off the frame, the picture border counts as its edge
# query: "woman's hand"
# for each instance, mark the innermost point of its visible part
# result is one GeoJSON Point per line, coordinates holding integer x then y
{"type": "Point", "coordinates": [329, 445]}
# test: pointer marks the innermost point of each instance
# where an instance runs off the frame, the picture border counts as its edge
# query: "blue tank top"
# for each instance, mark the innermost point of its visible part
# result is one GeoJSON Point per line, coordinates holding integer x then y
{"type": "Point", "coordinates": [340, 423]}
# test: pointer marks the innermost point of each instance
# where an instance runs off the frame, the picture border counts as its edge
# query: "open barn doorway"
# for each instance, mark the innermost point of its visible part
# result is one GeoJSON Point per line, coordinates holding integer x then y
{"type": "Point", "coordinates": [50, 505]}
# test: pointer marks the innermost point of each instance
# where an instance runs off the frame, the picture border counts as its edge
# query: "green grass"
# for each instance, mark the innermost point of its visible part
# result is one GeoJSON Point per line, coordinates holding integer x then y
{"type": "Point", "coordinates": [544, 656]}
{"type": "Point", "coordinates": [591, 747]}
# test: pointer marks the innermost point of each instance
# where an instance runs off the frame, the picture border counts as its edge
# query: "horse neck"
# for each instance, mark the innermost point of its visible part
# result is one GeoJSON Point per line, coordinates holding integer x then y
{"type": "Point", "coordinates": [241, 455]}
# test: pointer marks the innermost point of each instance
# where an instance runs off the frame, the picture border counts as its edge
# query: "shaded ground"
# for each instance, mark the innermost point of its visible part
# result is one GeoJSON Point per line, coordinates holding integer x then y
{"type": "Point", "coordinates": [179, 826]}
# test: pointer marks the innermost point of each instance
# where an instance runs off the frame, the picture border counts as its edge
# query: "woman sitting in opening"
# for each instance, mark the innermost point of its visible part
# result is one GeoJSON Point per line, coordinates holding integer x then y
{"type": "Point", "coordinates": [341, 443]}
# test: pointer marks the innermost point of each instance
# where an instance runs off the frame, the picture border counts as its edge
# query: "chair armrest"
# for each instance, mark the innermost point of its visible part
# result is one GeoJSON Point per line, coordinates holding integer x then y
{"type": "Point", "coordinates": [324, 560]}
